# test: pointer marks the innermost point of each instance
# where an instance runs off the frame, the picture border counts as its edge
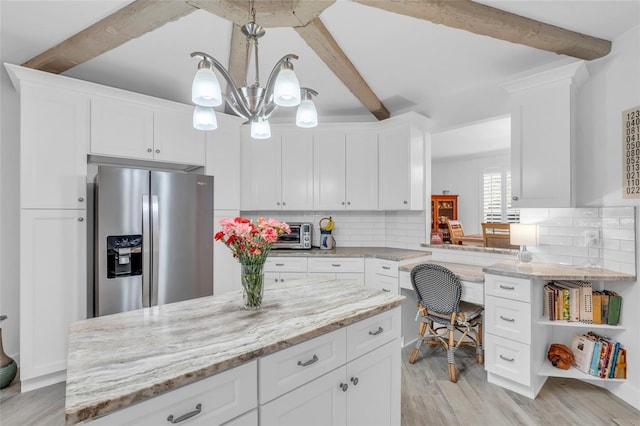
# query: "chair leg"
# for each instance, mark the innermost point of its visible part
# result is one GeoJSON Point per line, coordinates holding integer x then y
{"type": "Point", "coordinates": [479, 349]}
{"type": "Point", "coordinates": [451, 350]}
{"type": "Point", "coordinates": [416, 349]}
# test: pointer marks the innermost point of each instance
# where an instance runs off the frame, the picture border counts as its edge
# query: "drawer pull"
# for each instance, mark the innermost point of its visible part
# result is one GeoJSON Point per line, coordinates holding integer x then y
{"type": "Point", "coordinates": [311, 361]}
{"type": "Point", "coordinates": [337, 265]}
{"type": "Point", "coordinates": [279, 264]}
{"type": "Point", "coordinates": [504, 287]}
{"type": "Point", "coordinates": [386, 267]}
{"type": "Point", "coordinates": [386, 290]}
{"type": "Point", "coordinates": [507, 319]}
{"type": "Point", "coordinates": [378, 331]}
{"type": "Point", "coordinates": [354, 380]}
{"type": "Point", "coordinates": [343, 386]}
{"type": "Point", "coordinates": [507, 359]}
{"type": "Point", "coordinates": [185, 416]}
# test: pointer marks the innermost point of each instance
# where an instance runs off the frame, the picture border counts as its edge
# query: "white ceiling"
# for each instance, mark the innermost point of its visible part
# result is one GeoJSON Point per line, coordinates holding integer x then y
{"type": "Point", "coordinates": [447, 74]}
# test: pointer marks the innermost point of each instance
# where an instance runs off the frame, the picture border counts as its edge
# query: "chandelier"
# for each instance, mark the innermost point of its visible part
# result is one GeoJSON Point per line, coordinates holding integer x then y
{"type": "Point", "coordinates": [252, 102]}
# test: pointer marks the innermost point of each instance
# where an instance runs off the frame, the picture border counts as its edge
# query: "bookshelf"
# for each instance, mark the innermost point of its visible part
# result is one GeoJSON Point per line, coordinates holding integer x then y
{"type": "Point", "coordinates": [562, 323]}
{"type": "Point", "coordinates": [549, 370]}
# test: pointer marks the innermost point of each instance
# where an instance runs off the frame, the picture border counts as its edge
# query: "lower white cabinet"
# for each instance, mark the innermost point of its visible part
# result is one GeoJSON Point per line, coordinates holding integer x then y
{"type": "Point", "coordinates": [341, 268]}
{"type": "Point", "coordinates": [53, 291]}
{"type": "Point", "coordinates": [364, 390]}
{"type": "Point", "coordinates": [382, 275]}
{"type": "Point", "coordinates": [210, 401]}
{"type": "Point", "coordinates": [277, 270]}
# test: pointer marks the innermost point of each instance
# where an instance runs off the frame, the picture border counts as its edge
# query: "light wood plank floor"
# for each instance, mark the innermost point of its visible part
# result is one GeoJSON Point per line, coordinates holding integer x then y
{"type": "Point", "coordinates": [428, 398]}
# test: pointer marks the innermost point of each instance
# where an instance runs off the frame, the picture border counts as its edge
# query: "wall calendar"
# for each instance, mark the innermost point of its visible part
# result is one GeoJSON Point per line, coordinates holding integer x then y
{"type": "Point", "coordinates": [631, 153]}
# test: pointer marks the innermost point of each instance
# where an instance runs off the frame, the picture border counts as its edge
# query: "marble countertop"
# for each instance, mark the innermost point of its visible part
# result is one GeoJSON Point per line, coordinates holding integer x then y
{"type": "Point", "coordinates": [474, 248]}
{"type": "Point", "coordinates": [393, 254]}
{"type": "Point", "coordinates": [464, 272]}
{"type": "Point", "coordinates": [552, 271]}
{"type": "Point", "coordinates": [117, 360]}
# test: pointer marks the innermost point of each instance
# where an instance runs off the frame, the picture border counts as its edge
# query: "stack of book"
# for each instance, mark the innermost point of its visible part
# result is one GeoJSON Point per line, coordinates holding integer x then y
{"type": "Point", "coordinates": [577, 301]}
{"type": "Point", "coordinates": [599, 356]}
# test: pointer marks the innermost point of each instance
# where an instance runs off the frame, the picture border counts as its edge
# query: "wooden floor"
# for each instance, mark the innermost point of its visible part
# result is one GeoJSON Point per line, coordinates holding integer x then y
{"type": "Point", "coordinates": [428, 398]}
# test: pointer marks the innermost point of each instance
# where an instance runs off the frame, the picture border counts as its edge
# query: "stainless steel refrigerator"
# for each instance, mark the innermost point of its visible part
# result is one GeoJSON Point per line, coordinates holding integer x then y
{"type": "Point", "coordinates": [153, 238]}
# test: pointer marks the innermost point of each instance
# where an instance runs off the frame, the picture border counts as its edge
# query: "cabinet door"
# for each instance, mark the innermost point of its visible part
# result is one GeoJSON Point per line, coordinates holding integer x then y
{"type": "Point", "coordinates": [374, 380]}
{"type": "Point", "coordinates": [329, 170]}
{"type": "Point", "coordinates": [297, 171]}
{"type": "Point", "coordinates": [121, 129]}
{"type": "Point", "coordinates": [223, 160]}
{"type": "Point", "coordinates": [53, 290]}
{"type": "Point", "coordinates": [226, 268]}
{"type": "Point", "coordinates": [260, 173]}
{"type": "Point", "coordinates": [394, 168]}
{"type": "Point", "coordinates": [53, 148]}
{"type": "Point", "coordinates": [361, 152]}
{"type": "Point", "coordinates": [175, 139]}
{"type": "Point", "coordinates": [321, 402]}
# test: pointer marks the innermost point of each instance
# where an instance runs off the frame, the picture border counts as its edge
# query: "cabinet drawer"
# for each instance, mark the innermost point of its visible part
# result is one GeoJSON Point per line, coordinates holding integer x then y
{"type": "Point", "coordinates": [221, 398]}
{"type": "Point", "coordinates": [286, 264]}
{"type": "Point", "coordinates": [383, 267]}
{"type": "Point", "coordinates": [372, 332]}
{"type": "Point", "coordinates": [384, 283]}
{"type": "Point", "coordinates": [508, 287]}
{"type": "Point", "coordinates": [472, 292]}
{"type": "Point", "coordinates": [508, 359]}
{"type": "Point", "coordinates": [508, 318]}
{"type": "Point", "coordinates": [336, 264]}
{"type": "Point", "coordinates": [289, 368]}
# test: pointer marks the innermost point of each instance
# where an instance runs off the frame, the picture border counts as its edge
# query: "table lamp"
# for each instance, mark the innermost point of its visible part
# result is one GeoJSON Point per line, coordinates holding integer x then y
{"type": "Point", "coordinates": [524, 235]}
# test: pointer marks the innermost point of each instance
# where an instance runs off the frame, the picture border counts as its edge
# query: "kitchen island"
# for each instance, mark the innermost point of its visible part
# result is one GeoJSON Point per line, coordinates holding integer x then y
{"type": "Point", "coordinates": [132, 358]}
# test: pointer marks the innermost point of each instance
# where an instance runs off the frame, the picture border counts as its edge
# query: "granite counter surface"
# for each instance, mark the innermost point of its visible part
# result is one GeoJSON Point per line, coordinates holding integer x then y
{"type": "Point", "coordinates": [471, 273]}
{"type": "Point", "coordinates": [552, 271]}
{"type": "Point", "coordinates": [117, 360]}
{"type": "Point", "coordinates": [393, 254]}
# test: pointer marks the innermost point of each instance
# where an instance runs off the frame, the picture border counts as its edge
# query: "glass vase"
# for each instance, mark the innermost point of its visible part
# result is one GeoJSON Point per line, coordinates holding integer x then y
{"type": "Point", "coordinates": [252, 277]}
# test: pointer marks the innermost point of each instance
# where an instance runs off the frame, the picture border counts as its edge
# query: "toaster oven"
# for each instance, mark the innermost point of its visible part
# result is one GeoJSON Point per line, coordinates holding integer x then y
{"type": "Point", "coordinates": [299, 238]}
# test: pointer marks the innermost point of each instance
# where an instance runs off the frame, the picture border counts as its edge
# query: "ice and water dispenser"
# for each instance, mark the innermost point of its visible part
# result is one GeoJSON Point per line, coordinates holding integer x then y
{"type": "Point", "coordinates": [124, 255]}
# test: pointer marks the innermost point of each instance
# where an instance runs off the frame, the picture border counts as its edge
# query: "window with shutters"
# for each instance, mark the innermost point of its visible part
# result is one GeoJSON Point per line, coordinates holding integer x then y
{"type": "Point", "coordinates": [496, 196]}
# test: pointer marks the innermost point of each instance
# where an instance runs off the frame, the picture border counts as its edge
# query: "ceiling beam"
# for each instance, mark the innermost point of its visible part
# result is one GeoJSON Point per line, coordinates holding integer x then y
{"type": "Point", "coordinates": [320, 40]}
{"type": "Point", "coordinates": [489, 21]}
{"type": "Point", "coordinates": [132, 21]}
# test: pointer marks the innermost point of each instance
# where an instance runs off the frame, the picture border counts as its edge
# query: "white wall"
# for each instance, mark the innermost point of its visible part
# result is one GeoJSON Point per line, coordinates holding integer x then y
{"type": "Point", "coordinates": [462, 177]}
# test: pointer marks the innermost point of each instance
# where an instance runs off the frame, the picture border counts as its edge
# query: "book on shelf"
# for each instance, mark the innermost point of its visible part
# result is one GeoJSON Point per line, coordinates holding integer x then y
{"type": "Point", "coordinates": [595, 358]}
{"type": "Point", "coordinates": [586, 303]}
{"type": "Point", "coordinates": [582, 348]}
{"type": "Point", "coordinates": [611, 365]}
{"type": "Point", "coordinates": [550, 296]}
{"type": "Point", "coordinates": [604, 308]}
{"type": "Point", "coordinates": [620, 371]}
{"type": "Point", "coordinates": [596, 299]}
{"type": "Point", "coordinates": [615, 302]}
{"type": "Point", "coordinates": [571, 299]}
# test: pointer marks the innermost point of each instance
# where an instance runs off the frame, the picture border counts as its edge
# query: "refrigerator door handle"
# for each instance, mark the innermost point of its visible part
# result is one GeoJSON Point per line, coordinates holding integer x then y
{"type": "Point", "coordinates": [146, 245]}
{"type": "Point", "coordinates": [156, 251]}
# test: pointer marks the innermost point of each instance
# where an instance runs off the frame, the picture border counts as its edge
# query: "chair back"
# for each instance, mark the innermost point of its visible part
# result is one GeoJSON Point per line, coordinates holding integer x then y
{"type": "Point", "coordinates": [437, 288]}
{"type": "Point", "coordinates": [455, 230]}
{"type": "Point", "coordinates": [497, 235]}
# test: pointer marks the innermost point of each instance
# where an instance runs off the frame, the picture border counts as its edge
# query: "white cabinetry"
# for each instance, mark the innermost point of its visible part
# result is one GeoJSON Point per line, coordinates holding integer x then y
{"type": "Point", "coordinates": [53, 285]}
{"type": "Point", "coordinates": [277, 173]}
{"type": "Point", "coordinates": [543, 133]}
{"type": "Point", "coordinates": [210, 401]}
{"type": "Point", "coordinates": [345, 170]}
{"type": "Point", "coordinates": [54, 132]}
{"type": "Point", "coordinates": [281, 269]}
{"type": "Point", "coordinates": [401, 167]}
{"type": "Point", "coordinates": [340, 394]}
{"type": "Point", "coordinates": [133, 130]}
{"type": "Point", "coordinates": [382, 275]}
{"type": "Point", "coordinates": [341, 268]}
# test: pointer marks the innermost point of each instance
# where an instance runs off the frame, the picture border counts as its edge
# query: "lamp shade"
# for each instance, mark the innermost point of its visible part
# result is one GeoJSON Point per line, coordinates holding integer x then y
{"type": "Point", "coordinates": [205, 90]}
{"type": "Point", "coordinates": [204, 118]}
{"type": "Point", "coordinates": [286, 91]}
{"type": "Point", "coordinates": [524, 234]}
{"type": "Point", "coordinates": [306, 115]}
{"type": "Point", "coordinates": [260, 129]}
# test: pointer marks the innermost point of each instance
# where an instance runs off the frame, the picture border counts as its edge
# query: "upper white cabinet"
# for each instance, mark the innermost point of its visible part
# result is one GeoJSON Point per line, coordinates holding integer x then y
{"type": "Point", "coordinates": [543, 135]}
{"type": "Point", "coordinates": [54, 132]}
{"type": "Point", "coordinates": [345, 170]}
{"type": "Point", "coordinates": [277, 173]}
{"type": "Point", "coordinates": [126, 129]}
{"type": "Point", "coordinates": [401, 167]}
{"type": "Point", "coordinates": [223, 159]}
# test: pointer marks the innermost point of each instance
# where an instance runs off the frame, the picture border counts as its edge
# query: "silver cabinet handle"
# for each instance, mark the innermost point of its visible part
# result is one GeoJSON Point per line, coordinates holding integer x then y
{"type": "Point", "coordinates": [378, 331]}
{"type": "Point", "coordinates": [515, 198]}
{"type": "Point", "coordinates": [336, 265]}
{"type": "Point", "coordinates": [348, 203]}
{"type": "Point", "coordinates": [81, 199]}
{"type": "Point", "coordinates": [81, 219]}
{"type": "Point", "coordinates": [507, 359]}
{"type": "Point", "coordinates": [405, 202]}
{"type": "Point", "coordinates": [504, 287]}
{"type": "Point", "coordinates": [185, 416]}
{"type": "Point", "coordinates": [343, 203]}
{"type": "Point", "coordinates": [507, 319]}
{"type": "Point", "coordinates": [284, 204]}
{"type": "Point", "coordinates": [311, 361]}
{"type": "Point", "coordinates": [277, 203]}
{"type": "Point", "coordinates": [386, 290]}
{"type": "Point", "coordinates": [386, 267]}
{"type": "Point", "coordinates": [354, 380]}
{"type": "Point", "coordinates": [279, 264]}
{"type": "Point", "coordinates": [149, 150]}
{"type": "Point", "coordinates": [343, 386]}
{"type": "Point", "coordinates": [157, 151]}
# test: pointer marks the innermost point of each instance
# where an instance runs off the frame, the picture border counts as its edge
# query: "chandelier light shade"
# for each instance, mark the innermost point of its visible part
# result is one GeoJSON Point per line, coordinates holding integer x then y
{"type": "Point", "coordinates": [252, 102]}
{"type": "Point", "coordinates": [306, 115]}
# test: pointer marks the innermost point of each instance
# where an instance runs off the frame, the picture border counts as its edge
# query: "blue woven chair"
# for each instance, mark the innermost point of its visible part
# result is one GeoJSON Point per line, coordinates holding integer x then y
{"type": "Point", "coordinates": [443, 314]}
